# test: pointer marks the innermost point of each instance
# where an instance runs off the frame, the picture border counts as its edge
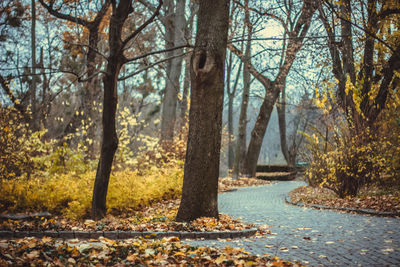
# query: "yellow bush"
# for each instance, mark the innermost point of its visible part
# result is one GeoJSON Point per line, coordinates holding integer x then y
{"type": "Point", "coordinates": [70, 194]}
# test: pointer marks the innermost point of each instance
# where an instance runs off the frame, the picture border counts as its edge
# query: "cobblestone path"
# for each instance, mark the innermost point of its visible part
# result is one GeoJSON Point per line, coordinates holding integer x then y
{"type": "Point", "coordinates": [314, 237]}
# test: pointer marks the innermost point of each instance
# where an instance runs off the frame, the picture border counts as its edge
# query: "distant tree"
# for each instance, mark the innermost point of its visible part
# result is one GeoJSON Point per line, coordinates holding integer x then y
{"type": "Point", "coordinates": [240, 148]}
{"type": "Point", "coordinates": [200, 184]}
{"type": "Point", "coordinates": [11, 17]}
{"type": "Point", "coordinates": [175, 25]}
{"type": "Point", "coordinates": [231, 93]}
{"type": "Point", "coordinates": [296, 31]}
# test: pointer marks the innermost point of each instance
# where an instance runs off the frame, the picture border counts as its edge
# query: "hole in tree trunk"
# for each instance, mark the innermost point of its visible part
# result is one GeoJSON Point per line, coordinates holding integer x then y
{"type": "Point", "coordinates": [202, 60]}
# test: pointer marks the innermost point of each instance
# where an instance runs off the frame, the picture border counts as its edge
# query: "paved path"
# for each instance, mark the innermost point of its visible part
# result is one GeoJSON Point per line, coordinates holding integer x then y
{"type": "Point", "coordinates": [314, 237]}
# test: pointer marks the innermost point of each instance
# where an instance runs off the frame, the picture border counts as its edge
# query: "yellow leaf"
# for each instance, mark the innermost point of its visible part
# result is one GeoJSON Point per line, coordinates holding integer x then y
{"type": "Point", "coordinates": [220, 259]}
{"type": "Point", "coordinates": [179, 253]}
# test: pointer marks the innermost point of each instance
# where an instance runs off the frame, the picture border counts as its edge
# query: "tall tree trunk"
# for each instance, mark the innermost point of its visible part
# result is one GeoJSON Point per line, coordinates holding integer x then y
{"type": "Point", "coordinates": [231, 97]}
{"type": "Point", "coordinates": [240, 150]}
{"type": "Point", "coordinates": [183, 108]}
{"type": "Point", "coordinates": [175, 33]}
{"type": "Point", "coordinates": [184, 103]}
{"type": "Point", "coordinates": [91, 93]}
{"type": "Point", "coordinates": [109, 141]}
{"type": "Point", "coordinates": [35, 116]}
{"type": "Point", "coordinates": [231, 92]}
{"type": "Point", "coordinates": [200, 183]}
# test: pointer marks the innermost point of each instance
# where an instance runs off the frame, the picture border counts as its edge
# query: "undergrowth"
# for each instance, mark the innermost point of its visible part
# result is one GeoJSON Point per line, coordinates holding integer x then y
{"type": "Point", "coordinates": [70, 194]}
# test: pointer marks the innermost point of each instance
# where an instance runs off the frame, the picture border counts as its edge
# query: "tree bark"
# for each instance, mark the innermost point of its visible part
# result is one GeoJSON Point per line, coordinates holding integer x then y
{"type": "Point", "coordinates": [200, 184]}
{"type": "Point", "coordinates": [257, 135]}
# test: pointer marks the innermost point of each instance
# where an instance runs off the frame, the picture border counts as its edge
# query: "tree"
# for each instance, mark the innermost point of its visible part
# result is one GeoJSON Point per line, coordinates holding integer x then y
{"type": "Point", "coordinates": [365, 57]}
{"type": "Point", "coordinates": [115, 61]}
{"type": "Point", "coordinates": [231, 92]}
{"type": "Point", "coordinates": [11, 16]}
{"type": "Point", "coordinates": [200, 184]}
{"type": "Point", "coordinates": [175, 24]}
{"type": "Point", "coordinates": [240, 149]}
{"type": "Point", "coordinates": [296, 34]}
{"type": "Point", "coordinates": [370, 76]}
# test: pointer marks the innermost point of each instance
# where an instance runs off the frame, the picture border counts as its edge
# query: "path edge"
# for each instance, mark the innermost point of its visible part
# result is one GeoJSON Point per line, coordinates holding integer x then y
{"type": "Point", "coordinates": [360, 211]}
{"type": "Point", "coordinates": [116, 235]}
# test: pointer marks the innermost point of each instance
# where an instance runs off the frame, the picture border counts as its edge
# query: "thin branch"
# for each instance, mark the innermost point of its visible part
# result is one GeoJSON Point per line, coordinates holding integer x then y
{"type": "Point", "coordinates": [150, 66]}
{"type": "Point", "coordinates": [157, 52]}
{"type": "Point", "coordinates": [144, 25]}
{"type": "Point", "coordinates": [362, 29]}
{"type": "Point", "coordinates": [90, 47]}
{"type": "Point", "coordinates": [64, 16]}
{"type": "Point", "coordinates": [7, 90]}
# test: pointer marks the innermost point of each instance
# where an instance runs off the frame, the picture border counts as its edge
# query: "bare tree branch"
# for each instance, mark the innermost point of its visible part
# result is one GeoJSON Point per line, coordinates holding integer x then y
{"type": "Point", "coordinates": [150, 66]}
{"type": "Point", "coordinates": [144, 25]}
{"type": "Point", "coordinates": [157, 52]}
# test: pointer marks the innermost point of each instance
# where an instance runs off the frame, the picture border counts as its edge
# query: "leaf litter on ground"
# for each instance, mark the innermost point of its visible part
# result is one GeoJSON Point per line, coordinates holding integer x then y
{"type": "Point", "coordinates": [371, 198]}
{"type": "Point", "coordinates": [138, 251]}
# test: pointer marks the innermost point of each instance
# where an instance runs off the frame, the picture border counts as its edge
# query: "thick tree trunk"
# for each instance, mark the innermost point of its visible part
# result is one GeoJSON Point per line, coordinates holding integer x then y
{"type": "Point", "coordinates": [200, 184]}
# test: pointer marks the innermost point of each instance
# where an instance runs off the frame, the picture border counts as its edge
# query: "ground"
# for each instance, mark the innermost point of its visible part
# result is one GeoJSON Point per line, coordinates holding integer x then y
{"type": "Point", "coordinates": [381, 200]}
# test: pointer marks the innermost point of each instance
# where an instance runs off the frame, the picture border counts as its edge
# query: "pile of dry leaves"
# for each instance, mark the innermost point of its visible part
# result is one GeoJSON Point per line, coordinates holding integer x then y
{"type": "Point", "coordinates": [379, 201]}
{"type": "Point", "coordinates": [138, 252]}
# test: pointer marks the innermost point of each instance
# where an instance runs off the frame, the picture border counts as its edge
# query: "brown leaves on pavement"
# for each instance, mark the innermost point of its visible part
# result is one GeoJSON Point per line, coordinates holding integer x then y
{"type": "Point", "coordinates": [105, 252]}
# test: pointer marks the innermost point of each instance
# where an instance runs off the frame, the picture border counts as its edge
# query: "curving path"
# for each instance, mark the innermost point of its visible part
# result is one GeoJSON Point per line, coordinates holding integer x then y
{"type": "Point", "coordinates": [314, 237]}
